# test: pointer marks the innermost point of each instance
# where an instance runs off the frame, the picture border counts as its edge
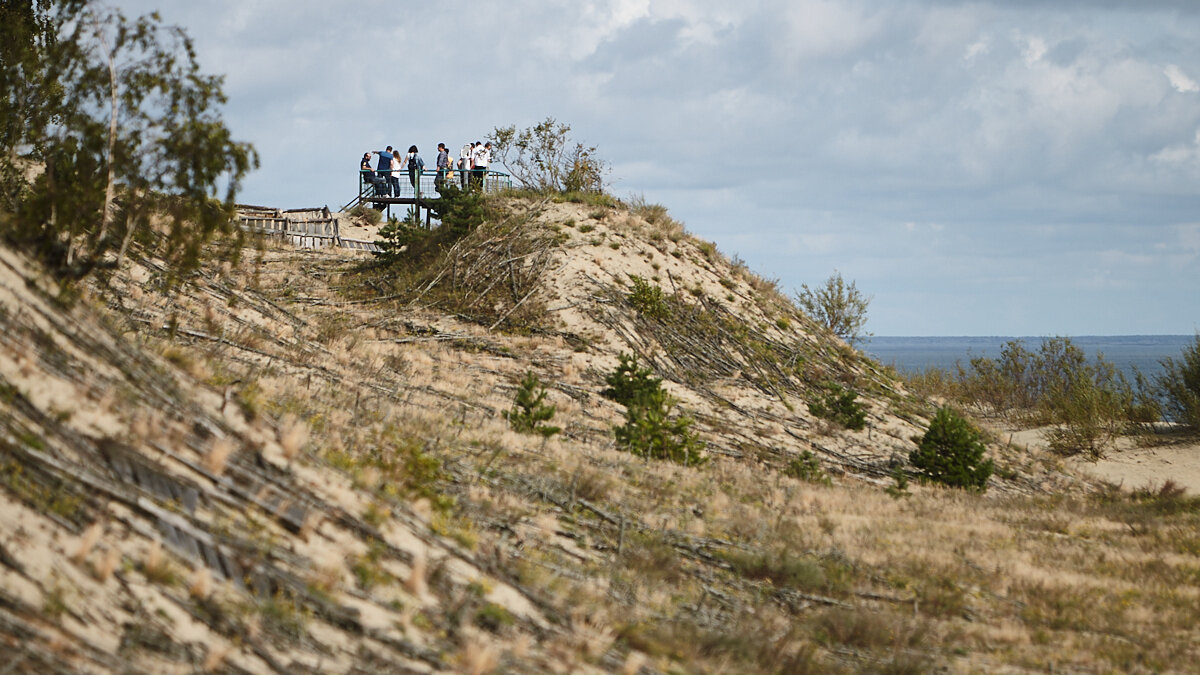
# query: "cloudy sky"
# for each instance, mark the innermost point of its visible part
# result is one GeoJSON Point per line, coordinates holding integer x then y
{"type": "Point", "coordinates": [1025, 167]}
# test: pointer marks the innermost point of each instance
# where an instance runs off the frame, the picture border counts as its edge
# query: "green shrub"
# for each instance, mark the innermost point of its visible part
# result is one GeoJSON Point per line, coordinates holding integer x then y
{"type": "Point", "coordinates": [530, 412]}
{"type": "Point", "coordinates": [461, 211]}
{"type": "Point", "coordinates": [630, 382]}
{"type": "Point", "coordinates": [1179, 386]}
{"type": "Point", "coordinates": [840, 405]}
{"type": "Point", "coordinates": [838, 306]}
{"type": "Point", "coordinates": [544, 158]}
{"type": "Point", "coordinates": [396, 237]}
{"type": "Point", "coordinates": [647, 298]}
{"type": "Point", "coordinates": [807, 467]}
{"type": "Point", "coordinates": [951, 452]}
{"type": "Point", "coordinates": [1090, 408]}
{"type": "Point", "coordinates": [899, 486]}
{"type": "Point", "coordinates": [1088, 402]}
{"type": "Point", "coordinates": [649, 430]}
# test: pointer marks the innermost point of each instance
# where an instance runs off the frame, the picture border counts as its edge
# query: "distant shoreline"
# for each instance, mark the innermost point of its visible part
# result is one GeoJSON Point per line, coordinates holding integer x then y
{"type": "Point", "coordinates": [1128, 353]}
{"type": "Point", "coordinates": [1026, 337]}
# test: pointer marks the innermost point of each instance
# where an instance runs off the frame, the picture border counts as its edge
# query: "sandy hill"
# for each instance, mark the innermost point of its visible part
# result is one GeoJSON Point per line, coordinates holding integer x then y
{"type": "Point", "coordinates": [301, 463]}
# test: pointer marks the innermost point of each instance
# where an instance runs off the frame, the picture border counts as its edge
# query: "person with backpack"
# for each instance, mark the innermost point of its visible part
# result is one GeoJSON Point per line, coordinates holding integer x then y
{"type": "Point", "coordinates": [416, 166]}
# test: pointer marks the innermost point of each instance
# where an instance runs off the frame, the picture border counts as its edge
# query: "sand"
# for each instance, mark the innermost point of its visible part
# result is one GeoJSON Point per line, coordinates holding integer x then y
{"type": "Point", "coordinates": [1130, 466]}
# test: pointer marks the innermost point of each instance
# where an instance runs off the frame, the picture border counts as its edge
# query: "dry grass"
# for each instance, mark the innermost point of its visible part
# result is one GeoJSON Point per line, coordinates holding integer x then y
{"type": "Point", "coordinates": [734, 567]}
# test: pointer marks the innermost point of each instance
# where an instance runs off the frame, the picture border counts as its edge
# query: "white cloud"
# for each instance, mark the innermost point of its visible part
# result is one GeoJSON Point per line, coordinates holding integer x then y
{"type": "Point", "coordinates": [936, 134]}
{"type": "Point", "coordinates": [976, 49]}
{"type": "Point", "coordinates": [825, 28]}
{"type": "Point", "coordinates": [1180, 155]}
{"type": "Point", "coordinates": [1033, 50]}
{"type": "Point", "coordinates": [1179, 80]}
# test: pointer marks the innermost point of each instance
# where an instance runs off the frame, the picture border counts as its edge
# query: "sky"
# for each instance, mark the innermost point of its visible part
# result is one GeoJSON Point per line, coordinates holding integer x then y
{"type": "Point", "coordinates": [1025, 167]}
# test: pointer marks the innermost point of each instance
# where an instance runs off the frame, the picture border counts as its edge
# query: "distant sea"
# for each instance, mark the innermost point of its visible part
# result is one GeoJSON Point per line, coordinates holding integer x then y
{"type": "Point", "coordinates": [915, 354]}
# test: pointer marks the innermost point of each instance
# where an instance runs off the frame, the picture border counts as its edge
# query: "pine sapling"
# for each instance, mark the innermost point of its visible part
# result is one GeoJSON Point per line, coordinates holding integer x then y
{"type": "Point", "coordinates": [530, 413]}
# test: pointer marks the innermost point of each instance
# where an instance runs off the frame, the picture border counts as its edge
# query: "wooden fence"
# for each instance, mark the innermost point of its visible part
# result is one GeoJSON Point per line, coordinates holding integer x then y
{"type": "Point", "coordinates": [302, 228]}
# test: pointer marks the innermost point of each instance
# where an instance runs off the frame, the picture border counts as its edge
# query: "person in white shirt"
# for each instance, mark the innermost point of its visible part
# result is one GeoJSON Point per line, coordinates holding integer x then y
{"type": "Point", "coordinates": [481, 159]}
{"type": "Point", "coordinates": [464, 163]}
{"type": "Point", "coordinates": [394, 176]}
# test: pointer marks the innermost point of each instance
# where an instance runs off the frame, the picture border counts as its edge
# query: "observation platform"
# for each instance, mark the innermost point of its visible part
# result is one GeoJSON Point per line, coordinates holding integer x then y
{"type": "Point", "coordinates": [425, 190]}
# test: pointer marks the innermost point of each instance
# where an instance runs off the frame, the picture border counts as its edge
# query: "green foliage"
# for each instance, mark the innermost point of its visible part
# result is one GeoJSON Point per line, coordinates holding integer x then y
{"type": "Point", "coordinates": [530, 412]}
{"type": "Point", "coordinates": [649, 430]}
{"type": "Point", "coordinates": [899, 486]}
{"type": "Point", "coordinates": [1010, 382]}
{"type": "Point", "coordinates": [544, 158]}
{"type": "Point", "coordinates": [460, 211]}
{"type": "Point", "coordinates": [395, 238]}
{"type": "Point", "coordinates": [807, 467]}
{"type": "Point", "coordinates": [493, 617]}
{"type": "Point", "coordinates": [838, 306]}
{"type": "Point", "coordinates": [368, 568]}
{"type": "Point", "coordinates": [1088, 402]}
{"type": "Point", "coordinates": [1088, 408]}
{"type": "Point", "coordinates": [841, 405]}
{"type": "Point", "coordinates": [630, 383]}
{"type": "Point", "coordinates": [648, 299]}
{"type": "Point", "coordinates": [951, 452]}
{"type": "Point", "coordinates": [1179, 386]}
{"type": "Point", "coordinates": [111, 139]}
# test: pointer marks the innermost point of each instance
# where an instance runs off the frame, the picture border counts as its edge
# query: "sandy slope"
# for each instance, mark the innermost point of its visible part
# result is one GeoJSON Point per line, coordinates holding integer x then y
{"type": "Point", "coordinates": [280, 418]}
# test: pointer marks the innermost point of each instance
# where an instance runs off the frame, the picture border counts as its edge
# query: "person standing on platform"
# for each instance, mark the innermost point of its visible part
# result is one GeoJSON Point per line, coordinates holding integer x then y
{"type": "Point", "coordinates": [397, 169]}
{"type": "Point", "coordinates": [416, 166]}
{"type": "Point", "coordinates": [384, 169]}
{"type": "Point", "coordinates": [481, 159]}
{"type": "Point", "coordinates": [443, 165]}
{"type": "Point", "coordinates": [464, 163]}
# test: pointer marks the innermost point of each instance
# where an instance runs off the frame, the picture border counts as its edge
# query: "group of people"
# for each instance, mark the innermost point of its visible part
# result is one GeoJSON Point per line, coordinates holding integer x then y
{"type": "Point", "coordinates": [472, 167]}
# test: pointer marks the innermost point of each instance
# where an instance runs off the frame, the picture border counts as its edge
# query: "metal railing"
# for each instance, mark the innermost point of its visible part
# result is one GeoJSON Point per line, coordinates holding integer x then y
{"type": "Point", "coordinates": [402, 185]}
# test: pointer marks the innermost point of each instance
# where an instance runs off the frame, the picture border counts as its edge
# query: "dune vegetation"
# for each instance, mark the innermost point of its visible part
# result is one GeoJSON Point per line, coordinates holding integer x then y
{"type": "Point", "coordinates": [310, 459]}
{"type": "Point", "coordinates": [555, 433]}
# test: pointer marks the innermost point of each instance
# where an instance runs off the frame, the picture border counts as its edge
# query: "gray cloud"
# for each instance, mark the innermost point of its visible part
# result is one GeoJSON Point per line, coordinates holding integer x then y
{"type": "Point", "coordinates": [997, 161]}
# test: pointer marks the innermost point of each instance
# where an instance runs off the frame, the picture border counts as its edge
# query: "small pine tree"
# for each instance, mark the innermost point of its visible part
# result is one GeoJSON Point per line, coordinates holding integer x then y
{"type": "Point", "coordinates": [951, 452]}
{"type": "Point", "coordinates": [648, 299]}
{"type": "Point", "coordinates": [649, 430]}
{"type": "Point", "coordinates": [530, 412]}
{"type": "Point", "coordinates": [630, 382]}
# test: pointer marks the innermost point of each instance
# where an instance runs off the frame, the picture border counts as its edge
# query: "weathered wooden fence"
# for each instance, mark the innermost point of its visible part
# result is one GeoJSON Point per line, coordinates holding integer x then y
{"type": "Point", "coordinates": [302, 228]}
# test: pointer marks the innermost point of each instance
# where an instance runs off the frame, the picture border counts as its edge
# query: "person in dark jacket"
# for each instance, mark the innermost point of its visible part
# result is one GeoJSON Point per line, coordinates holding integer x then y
{"type": "Point", "coordinates": [385, 170]}
{"type": "Point", "coordinates": [416, 166]}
